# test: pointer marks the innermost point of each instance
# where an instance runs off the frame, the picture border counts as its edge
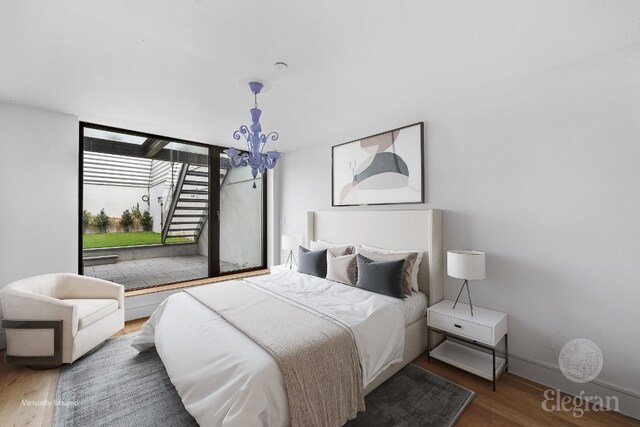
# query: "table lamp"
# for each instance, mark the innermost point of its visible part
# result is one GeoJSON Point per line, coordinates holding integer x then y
{"type": "Point", "coordinates": [467, 265]}
{"type": "Point", "coordinates": [290, 243]}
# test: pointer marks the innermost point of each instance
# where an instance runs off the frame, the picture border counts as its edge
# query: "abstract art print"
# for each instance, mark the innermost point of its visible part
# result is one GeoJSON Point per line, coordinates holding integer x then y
{"type": "Point", "coordinates": [386, 168]}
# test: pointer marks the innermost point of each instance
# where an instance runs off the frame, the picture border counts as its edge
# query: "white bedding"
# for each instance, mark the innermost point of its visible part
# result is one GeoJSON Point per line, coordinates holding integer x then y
{"type": "Point", "coordinates": [413, 307]}
{"type": "Point", "coordinates": [224, 378]}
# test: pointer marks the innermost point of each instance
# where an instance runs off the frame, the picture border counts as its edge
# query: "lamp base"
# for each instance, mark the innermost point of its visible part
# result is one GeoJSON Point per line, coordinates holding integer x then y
{"type": "Point", "coordinates": [466, 283]}
{"type": "Point", "coordinates": [291, 259]}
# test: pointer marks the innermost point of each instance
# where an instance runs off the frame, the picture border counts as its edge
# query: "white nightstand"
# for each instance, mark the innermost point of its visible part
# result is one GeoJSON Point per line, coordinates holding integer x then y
{"type": "Point", "coordinates": [485, 329]}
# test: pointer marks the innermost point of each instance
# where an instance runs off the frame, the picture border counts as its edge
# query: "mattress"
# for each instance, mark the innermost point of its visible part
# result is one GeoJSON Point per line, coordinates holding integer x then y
{"type": "Point", "coordinates": [413, 307]}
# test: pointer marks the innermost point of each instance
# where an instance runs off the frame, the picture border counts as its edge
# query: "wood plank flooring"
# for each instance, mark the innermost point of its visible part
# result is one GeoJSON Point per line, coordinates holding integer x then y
{"type": "Point", "coordinates": [517, 401]}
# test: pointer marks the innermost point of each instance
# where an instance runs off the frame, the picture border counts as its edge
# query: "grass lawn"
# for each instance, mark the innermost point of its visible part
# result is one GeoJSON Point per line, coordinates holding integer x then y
{"type": "Point", "coordinates": [126, 239]}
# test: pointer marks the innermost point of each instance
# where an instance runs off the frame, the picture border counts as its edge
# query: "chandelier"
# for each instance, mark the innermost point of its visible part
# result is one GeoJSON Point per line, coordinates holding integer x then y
{"type": "Point", "coordinates": [256, 141]}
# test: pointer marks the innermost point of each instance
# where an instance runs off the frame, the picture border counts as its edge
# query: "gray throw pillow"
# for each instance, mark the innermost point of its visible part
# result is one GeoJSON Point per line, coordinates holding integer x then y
{"type": "Point", "coordinates": [383, 277]}
{"type": "Point", "coordinates": [342, 269]}
{"type": "Point", "coordinates": [408, 257]}
{"type": "Point", "coordinates": [313, 263]}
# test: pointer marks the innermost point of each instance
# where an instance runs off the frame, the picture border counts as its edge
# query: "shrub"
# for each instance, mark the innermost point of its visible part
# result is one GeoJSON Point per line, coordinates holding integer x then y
{"type": "Point", "coordinates": [135, 212]}
{"type": "Point", "coordinates": [126, 220]}
{"type": "Point", "coordinates": [87, 218]}
{"type": "Point", "coordinates": [146, 221]}
{"type": "Point", "coordinates": [102, 221]}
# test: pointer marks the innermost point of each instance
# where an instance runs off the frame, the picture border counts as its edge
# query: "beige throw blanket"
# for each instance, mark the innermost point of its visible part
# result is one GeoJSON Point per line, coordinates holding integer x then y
{"type": "Point", "coordinates": [316, 355]}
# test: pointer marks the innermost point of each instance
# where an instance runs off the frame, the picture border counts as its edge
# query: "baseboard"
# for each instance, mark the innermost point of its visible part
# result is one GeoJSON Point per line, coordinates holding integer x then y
{"type": "Point", "coordinates": [552, 377]}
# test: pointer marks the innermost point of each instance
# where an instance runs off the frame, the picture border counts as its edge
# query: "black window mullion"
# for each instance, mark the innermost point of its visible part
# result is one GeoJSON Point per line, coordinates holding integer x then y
{"type": "Point", "coordinates": [214, 211]}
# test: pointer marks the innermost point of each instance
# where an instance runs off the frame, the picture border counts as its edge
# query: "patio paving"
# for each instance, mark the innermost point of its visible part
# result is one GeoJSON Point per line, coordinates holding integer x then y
{"type": "Point", "coordinates": [145, 273]}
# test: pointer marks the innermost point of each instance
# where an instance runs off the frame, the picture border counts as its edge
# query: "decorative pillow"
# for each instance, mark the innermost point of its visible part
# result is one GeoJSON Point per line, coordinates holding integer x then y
{"type": "Point", "coordinates": [333, 249]}
{"type": "Point", "coordinates": [416, 265]}
{"type": "Point", "coordinates": [383, 277]}
{"type": "Point", "coordinates": [313, 263]}
{"type": "Point", "coordinates": [408, 257]}
{"type": "Point", "coordinates": [342, 269]}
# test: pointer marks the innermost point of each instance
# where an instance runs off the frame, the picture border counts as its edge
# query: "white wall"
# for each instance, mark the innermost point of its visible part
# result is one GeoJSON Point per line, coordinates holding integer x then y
{"type": "Point", "coordinates": [241, 219]}
{"type": "Point", "coordinates": [543, 174]}
{"type": "Point", "coordinates": [39, 193]}
{"type": "Point", "coordinates": [113, 199]}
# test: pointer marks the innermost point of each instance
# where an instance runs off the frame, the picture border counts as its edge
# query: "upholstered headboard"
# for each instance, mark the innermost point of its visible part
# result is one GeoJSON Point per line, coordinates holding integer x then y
{"type": "Point", "coordinates": [410, 229]}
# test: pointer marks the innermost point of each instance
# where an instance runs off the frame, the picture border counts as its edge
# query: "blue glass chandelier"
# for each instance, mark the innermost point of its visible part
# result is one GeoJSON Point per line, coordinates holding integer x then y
{"type": "Point", "coordinates": [256, 141]}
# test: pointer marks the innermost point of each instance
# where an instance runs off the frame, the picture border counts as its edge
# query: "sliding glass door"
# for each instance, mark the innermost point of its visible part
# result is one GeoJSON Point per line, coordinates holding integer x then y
{"type": "Point", "coordinates": [154, 210]}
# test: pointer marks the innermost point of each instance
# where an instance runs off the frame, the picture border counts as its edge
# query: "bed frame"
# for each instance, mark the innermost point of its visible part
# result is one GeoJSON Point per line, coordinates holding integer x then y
{"type": "Point", "coordinates": [408, 229]}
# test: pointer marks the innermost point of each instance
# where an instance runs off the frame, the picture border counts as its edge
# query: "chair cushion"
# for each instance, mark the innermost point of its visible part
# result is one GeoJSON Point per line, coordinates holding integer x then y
{"type": "Point", "coordinates": [92, 310]}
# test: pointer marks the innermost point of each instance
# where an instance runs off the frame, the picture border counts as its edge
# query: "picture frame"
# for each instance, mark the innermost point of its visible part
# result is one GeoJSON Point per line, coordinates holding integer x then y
{"type": "Point", "coordinates": [382, 169]}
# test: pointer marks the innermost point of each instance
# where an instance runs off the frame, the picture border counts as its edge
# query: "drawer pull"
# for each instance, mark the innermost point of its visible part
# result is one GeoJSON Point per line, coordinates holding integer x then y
{"type": "Point", "coordinates": [457, 326]}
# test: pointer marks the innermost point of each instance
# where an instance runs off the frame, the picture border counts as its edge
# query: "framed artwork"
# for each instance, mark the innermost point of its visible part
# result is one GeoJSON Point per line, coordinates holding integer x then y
{"type": "Point", "coordinates": [382, 169]}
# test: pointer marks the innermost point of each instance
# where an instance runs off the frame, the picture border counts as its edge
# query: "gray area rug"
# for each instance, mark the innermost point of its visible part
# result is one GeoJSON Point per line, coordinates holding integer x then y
{"type": "Point", "coordinates": [117, 386]}
{"type": "Point", "coordinates": [414, 397]}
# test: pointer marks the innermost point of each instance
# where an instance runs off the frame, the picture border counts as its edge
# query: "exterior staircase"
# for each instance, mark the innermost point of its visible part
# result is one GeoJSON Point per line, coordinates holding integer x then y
{"type": "Point", "coordinates": [188, 210]}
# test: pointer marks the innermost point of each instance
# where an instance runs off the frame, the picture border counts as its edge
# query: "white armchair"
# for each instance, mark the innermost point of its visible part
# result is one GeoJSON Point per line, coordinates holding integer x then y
{"type": "Point", "coordinates": [62, 314]}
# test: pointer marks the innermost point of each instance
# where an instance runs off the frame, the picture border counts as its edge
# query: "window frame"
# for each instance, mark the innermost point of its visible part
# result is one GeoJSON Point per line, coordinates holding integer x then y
{"type": "Point", "coordinates": [214, 152]}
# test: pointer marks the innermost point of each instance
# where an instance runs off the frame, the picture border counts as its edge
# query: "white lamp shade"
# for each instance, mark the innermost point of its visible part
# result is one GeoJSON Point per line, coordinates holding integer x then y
{"type": "Point", "coordinates": [464, 264]}
{"type": "Point", "coordinates": [291, 242]}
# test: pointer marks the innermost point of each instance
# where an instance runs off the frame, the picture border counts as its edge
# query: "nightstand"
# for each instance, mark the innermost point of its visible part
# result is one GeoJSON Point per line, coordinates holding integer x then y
{"type": "Point", "coordinates": [474, 338]}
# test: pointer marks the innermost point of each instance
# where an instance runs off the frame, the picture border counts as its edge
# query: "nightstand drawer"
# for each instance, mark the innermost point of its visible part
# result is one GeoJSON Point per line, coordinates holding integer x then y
{"type": "Point", "coordinates": [470, 330]}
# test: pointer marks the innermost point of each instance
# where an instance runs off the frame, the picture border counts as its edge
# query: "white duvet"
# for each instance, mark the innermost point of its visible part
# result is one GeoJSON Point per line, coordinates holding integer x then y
{"type": "Point", "coordinates": [224, 378]}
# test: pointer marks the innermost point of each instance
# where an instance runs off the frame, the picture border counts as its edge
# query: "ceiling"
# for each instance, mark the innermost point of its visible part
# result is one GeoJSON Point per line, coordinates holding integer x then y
{"type": "Point", "coordinates": [355, 67]}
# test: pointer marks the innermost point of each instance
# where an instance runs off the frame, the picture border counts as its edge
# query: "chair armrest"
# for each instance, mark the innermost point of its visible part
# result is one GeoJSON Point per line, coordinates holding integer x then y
{"type": "Point", "coordinates": [19, 305]}
{"type": "Point", "coordinates": [76, 286]}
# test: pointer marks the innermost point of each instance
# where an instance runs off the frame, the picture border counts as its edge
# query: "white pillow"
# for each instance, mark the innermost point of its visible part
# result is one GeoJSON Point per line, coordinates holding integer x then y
{"type": "Point", "coordinates": [416, 265]}
{"type": "Point", "coordinates": [334, 248]}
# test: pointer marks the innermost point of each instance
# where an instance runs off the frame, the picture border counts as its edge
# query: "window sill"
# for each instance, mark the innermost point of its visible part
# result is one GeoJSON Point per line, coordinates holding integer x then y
{"type": "Point", "coordinates": [190, 283]}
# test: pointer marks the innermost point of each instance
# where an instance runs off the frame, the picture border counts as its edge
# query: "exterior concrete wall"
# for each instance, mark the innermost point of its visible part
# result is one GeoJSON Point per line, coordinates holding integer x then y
{"type": "Point", "coordinates": [241, 219]}
{"type": "Point", "coordinates": [114, 199]}
{"type": "Point", "coordinates": [129, 253]}
{"type": "Point", "coordinates": [159, 190]}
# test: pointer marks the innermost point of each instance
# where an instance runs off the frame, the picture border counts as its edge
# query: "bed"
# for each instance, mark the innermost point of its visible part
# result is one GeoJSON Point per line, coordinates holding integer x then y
{"type": "Point", "coordinates": [224, 378]}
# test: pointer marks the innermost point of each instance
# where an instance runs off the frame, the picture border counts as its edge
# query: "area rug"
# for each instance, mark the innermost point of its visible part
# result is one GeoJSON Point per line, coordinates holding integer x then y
{"type": "Point", "coordinates": [414, 397]}
{"type": "Point", "coordinates": [117, 386]}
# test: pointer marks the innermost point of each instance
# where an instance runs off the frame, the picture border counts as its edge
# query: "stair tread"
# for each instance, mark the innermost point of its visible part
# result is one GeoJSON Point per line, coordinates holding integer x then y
{"type": "Point", "coordinates": [191, 182]}
{"type": "Point", "coordinates": [193, 200]}
{"type": "Point", "coordinates": [197, 173]}
{"type": "Point", "coordinates": [202, 192]}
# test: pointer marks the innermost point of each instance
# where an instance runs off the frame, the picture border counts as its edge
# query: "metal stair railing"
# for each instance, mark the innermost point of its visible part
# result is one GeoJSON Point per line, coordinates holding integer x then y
{"type": "Point", "coordinates": [174, 201]}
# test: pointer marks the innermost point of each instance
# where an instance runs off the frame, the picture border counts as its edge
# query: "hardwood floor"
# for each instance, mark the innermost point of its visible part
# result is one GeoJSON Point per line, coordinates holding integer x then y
{"type": "Point", "coordinates": [517, 401]}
